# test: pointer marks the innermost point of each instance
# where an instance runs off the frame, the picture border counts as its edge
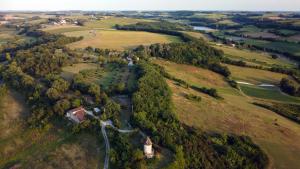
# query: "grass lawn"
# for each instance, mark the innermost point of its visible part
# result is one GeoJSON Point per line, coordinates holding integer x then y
{"type": "Point", "coordinates": [119, 40]}
{"type": "Point", "coordinates": [268, 93]}
{"type": "Point", "coordinates": [259, 58]}
{"type": "Point", "coordinates": [235, 114]}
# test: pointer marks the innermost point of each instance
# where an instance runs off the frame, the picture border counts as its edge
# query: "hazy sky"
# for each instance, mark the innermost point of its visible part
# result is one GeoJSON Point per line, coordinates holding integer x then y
{"type": "Point", "coordinates": [286, 5]}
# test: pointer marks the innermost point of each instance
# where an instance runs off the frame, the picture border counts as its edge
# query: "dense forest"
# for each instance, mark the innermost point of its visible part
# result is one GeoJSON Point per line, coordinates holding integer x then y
{"type": "Point", "coordinates": [153, 113]}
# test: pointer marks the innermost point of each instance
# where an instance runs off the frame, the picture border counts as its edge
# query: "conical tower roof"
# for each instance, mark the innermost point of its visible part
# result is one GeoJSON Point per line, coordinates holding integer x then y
{"type": "Point", "coordinates": [148, 141]}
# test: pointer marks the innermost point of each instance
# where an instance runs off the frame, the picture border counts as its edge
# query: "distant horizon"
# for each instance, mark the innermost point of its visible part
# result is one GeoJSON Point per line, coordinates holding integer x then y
{"type": "Point", "coordinates": [147, 10]}
{"type": "Point", "coordinates": [154, 5]}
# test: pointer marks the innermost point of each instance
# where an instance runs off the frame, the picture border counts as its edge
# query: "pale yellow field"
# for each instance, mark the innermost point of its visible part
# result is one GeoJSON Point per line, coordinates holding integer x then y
{"type": "Point", "coordinates": [118, 40]}
{"type": "Point", "coordinates": [235, 114]}
{"type": "Point", "coordinates": [109, 23]}
{"type": "Point", "coordinates": [196, 35]}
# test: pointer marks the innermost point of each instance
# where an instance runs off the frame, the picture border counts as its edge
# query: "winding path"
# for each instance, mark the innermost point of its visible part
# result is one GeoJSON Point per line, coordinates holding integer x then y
{"type": "Point", "coordinates": [107, 145]}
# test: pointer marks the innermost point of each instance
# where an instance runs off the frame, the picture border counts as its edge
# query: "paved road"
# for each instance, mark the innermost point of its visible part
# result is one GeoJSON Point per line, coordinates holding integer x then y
{"type": "Point", "coordinates": [107, 145]}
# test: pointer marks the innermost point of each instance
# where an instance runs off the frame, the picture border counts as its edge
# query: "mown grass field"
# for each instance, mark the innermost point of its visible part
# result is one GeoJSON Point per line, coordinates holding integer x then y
{"type": "Point", "coordinates": [257, 58]}
{"type": "Point", "coordinates": [235, 114]}
{"type": "Point", "coordinates": [118, 40]}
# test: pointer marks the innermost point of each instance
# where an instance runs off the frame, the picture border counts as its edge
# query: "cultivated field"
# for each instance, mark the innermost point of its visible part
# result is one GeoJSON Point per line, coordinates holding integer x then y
{"type": "Point", "coordinates": [118, 40]}
{"type": "Point", "coordinates": [235, 114]}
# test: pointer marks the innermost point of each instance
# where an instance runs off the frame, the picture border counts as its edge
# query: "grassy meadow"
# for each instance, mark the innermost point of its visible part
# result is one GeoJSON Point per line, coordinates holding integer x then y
{"type": "Point", "coordinates": [235, 114]}
{"type": "Point", "coordinates": [118, 40]}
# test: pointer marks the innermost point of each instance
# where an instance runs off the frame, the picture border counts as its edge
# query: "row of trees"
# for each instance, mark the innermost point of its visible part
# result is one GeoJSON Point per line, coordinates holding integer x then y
{"type": "Point", "coordinates": [153, 113]}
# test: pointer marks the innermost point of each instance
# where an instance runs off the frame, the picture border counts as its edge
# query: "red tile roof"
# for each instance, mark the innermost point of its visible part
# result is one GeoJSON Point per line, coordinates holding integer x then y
{"type": "Point", "coordinates": [79, 113]}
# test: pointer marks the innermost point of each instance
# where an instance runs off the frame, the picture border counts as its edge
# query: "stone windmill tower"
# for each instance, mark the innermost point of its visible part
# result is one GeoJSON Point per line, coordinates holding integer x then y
{"type": "Point", "coordinates": [148, 150]}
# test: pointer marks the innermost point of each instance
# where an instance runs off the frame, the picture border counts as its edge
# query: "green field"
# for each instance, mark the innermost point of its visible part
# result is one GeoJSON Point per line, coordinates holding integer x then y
{"type": "Point", "coordinates": [235, 114]}
{"type": "Point", "coordinates": [268, 93]}
{"type": "Point", "coordinates": [118, 40]}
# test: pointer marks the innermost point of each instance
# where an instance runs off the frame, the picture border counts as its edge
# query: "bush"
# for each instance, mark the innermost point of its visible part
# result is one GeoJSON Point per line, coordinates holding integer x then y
{"type": "Point", "coordinates": [289, 87]}
{"type": "Point", "coordinates": [193, 97]}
